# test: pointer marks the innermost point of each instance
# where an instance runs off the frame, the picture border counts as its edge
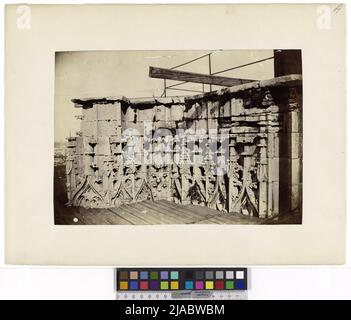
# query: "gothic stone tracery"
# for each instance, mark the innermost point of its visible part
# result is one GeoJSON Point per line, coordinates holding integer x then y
{"type": "Point", "coordinates": [128, 150]}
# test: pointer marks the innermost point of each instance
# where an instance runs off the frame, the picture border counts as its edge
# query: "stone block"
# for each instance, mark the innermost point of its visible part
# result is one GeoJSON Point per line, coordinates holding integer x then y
{"type": "Point", "coordinates": [90, 114]}
{"type": "Point", "coordinates": [79, 163]}
{"type": "Point", "coordinates": [134, 128]}
{"type": "Point", "coordinates": [146, 114]}
{"type": "Point", "coordinates": [296, 145]}
{"type": "Point", "coordinates": [276, 144]}
{"type": "Point", "coordinates": [103, 146]}
{"type": "Point", "coordinates": [160, 113]}
{"type": "Point", "coordinates": [109, 111]}
{"type": "Point", "coordinates": [213, 124]}
{"type": "Point", "coordinates": [201, 125]}
{"type": "Point", "coordinates": [296, 171]}
{"type": "Point", "coordinates": [107, 128]}
{"type": "Point", "coordinates": [116, 138]}
{"type": "Point", "coordinates": [273, 145]}
{"type": "Point", "coordinates": [177, 112]}
{"type": "Point", "coordinates": [225, 109]}
{"type": "Point", "coordinates": [87, 161]}
{"type": "Point", "coordinates": [129, 114]}
{"type": "Point", "coordinates": [168, 116]}
{"type": "Point", "coordinates": [275, 197]}
{"type": "Point", "coordinates": [99, 163]}
{"type": "Point", "coordinates": [89, 128]}
{"type": "Point", "coordinates": [294, 121]}
{"type": "Point", "coordinates": [273, 169]}
{"type": "Point", "coordinates": [88, 148]}
{"type": "Point", "coordinates": [296, 197]}
{"type": "Point", "coordinates": [79, 146]}
{"type": "Point", "coordinates": [244, 129]}
{"type": "Point", "coordinates": [237, 107]}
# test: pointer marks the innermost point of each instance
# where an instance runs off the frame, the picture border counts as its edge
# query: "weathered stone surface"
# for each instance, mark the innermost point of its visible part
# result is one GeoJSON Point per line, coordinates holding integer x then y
{"type": "Point", "coordinates": [107, 127]}
{"type": "Point", "coordinates": [273, 169]}
{"type": "Point", "coordinates": [177, 112]}
{"type": "Point", "coordinates": [212, 125]}
{"type": "Point", "coordinates": [90, 128]}
{"type": "Point", "coordinates": [296, 145]}
{"type": "Point", "coordinates": [237, 107]}
{"type": "Point", "coordinates": [294, 123]}
{"type": "Point", "coordinates": [109, 111]}
{"type": "Point", "coordinates": [90, 114]}
{"type": "Point", "coordinates": [103, 146]}
{"type": "Point", "coordinates": [296, 171]}
{"type": "Point", "coordinates": [261, 176]}
{"type": "Point", "coordinates": [296, 196]}
{"type": "Point", "coordinates": [146, 114]}
{"type": "Point", "coordinates": [201, 125]}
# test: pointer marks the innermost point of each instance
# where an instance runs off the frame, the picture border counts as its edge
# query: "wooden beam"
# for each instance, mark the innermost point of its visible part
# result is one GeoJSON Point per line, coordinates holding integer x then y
{"type": "Point", "coordinates": [162, 73]}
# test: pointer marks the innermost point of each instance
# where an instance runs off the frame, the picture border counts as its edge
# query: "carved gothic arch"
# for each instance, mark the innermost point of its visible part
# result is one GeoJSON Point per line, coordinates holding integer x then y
{"type": "Point", "coordinates": [243, 200]}
{"type": "Point", "coordinates": [144, 186]}
{"type": "Point", "coordinates": [195, 190]}
{"type": "Point", "coordinates": [120, 194]}
{"type": "Point", "coordinates": [85, 188]}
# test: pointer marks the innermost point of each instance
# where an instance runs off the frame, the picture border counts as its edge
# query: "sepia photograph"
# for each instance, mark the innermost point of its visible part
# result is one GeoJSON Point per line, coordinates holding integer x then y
{"type": "Point", "coordinates": [178, 137]}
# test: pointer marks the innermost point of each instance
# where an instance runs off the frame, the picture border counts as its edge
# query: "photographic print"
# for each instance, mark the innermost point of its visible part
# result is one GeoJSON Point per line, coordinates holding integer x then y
{"type": "Point", "coordinates": [150, 135]}
{"type": "Point", "coordinates": [178, 137]}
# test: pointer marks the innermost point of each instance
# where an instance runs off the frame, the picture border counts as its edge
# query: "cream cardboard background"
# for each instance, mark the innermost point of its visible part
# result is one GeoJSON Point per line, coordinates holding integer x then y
{"type": "Point", "coordinates": [32, 237]}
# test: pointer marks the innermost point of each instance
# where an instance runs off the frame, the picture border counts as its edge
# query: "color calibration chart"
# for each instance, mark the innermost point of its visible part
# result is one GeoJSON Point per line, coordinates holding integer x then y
{"type": "Point", "coordinates": [179, 283]}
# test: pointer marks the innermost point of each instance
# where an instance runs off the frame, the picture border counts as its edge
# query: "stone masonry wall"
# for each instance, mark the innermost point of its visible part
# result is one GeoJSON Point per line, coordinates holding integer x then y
{"type": "Point", "coordinates": [235, 150]}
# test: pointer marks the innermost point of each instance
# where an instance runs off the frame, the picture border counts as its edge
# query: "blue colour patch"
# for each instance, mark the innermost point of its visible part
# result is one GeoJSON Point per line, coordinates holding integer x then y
{"type": "Point", "coordinates": [189, 285]}
{"type": "Point", "coordinates": [133, 285]}
{"type": "Point", "coordinates": [144, 275]}
{"type": "Point", "coordinates": [240, 284]}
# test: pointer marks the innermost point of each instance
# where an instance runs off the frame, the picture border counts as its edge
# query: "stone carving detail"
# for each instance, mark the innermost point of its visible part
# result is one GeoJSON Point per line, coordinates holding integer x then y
{"type": "Point", "coordinates": [88, 195]}
{"type": "Point", "coordinates": [246, 182]}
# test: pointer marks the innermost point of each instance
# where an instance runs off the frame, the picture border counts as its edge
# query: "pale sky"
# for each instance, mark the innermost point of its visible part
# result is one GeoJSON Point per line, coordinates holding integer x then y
{"type": "Point", "coordinates": [82, 74]}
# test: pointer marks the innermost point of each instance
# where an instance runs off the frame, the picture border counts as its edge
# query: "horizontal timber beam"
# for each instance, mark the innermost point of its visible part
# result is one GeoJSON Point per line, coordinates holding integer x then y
{"type": "Point", "coordinates": [162, 73]}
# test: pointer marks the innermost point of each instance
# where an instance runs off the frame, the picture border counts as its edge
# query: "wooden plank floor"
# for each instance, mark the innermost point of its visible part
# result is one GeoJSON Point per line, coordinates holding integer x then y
{"type": "Point", "coordinates": [152, 213]}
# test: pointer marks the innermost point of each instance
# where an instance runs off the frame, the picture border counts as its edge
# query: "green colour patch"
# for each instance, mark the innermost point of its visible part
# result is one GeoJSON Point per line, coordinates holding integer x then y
{"type": "Point", "coordinates": [229, 285]}
{"type": "Point", "coordinates": [164, 285]}
{"type": "Point", "coordinates": [154, 275]}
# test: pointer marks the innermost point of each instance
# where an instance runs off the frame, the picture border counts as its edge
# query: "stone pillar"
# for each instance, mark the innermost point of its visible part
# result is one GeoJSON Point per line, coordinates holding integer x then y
{"type": "Point", "coordinates": [233, 177]}
{"type": "Point", "coordinates": [184, 171]}
{"type": "Point", "coordinates": [295, 148]}
{"type": "Point", "coordinates": [70, 178]}
{"type": "Point", "coordinates": [263, 208]}
{"type": "Point", "coordinates": [273, 139]}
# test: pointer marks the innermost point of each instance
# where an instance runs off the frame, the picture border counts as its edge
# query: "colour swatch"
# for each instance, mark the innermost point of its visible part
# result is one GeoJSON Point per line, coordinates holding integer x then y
{"type": "Point", "coordinates": [181, 279]}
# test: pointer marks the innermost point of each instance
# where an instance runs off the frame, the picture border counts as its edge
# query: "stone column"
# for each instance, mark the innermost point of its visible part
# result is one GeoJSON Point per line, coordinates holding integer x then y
{"type": "Point", "coordinates": [295, 148]}
{"type": "Point", "coordinates": [273, 170]}
{"type": "Point", "coordinates": [263, 208]}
